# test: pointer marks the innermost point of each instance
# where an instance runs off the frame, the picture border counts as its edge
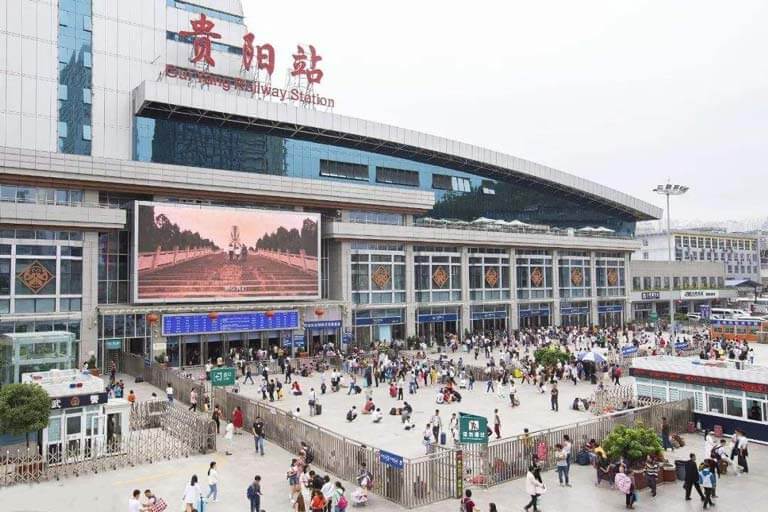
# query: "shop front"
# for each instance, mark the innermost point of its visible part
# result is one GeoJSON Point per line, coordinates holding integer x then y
{"type": "Point", "coordinates": [378, 325]}
{"type": "Point", "coordinates": [489, 318]}
{"type": "Point", "coordinates": [194, 338]}
{"type": "Point", "coordinates": [610, 314]}
{"type": "Point", "coordinates": [322, 327]}
{"type": "Point", "coordinates": [575, 314]}
{"type": "Point", "coordinates": [438, 323]}
{"type": "Point", "coordinates": [534, 315]}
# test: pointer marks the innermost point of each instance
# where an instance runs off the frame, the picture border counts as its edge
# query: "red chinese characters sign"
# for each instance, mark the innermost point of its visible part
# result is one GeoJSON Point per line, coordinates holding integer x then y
{"type": "Point", "coordinates": [750, 387]}
{"type": "Point", "coordinates": [304, 64]}
{"type": "Point", "coordinates": [202, 32]}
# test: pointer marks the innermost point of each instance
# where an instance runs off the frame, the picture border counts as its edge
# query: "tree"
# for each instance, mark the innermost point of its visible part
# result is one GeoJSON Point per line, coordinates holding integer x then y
{"type": "Point", "coordinates": [24, 408]}
{"type": "Point", "coordinates": [549, 356]}
{"type": "Point", "coordinates": [633, 443]}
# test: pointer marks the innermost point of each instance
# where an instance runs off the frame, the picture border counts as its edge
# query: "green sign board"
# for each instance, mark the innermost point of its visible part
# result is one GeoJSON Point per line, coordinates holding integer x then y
{"type": "Point", "coordinates": [473, 429]}
{"type": "Point", "coordinates": [653, 316]}
{"type": "Point", "coordinates": [113, 344]}
{"type": "Point", "coordinates": [223, 377]}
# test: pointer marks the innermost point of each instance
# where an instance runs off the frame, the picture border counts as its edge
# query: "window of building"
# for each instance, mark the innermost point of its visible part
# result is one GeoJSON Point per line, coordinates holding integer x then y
{"type": "Point", "coordinates": [378, 274]}
{"type": "Point", "coordinates": [534, 275]}
{"type": "Point", "coordinates": [461, 184]}
{"type": "Point", "coordinates": [489, 276]}
{"type": "Point", "coordinates": [394, 219]}
{"type": "Point", "coordinates": [647, 283]}
{"type": "Point", "coordinates": [441, 182]}
{"type": "Point", "coordinates": [437, 274]}
{"type": "Point", "coordinates": [575, 277]}
{"type": "Point", "coordinates": [686, 282]}
{"type": "Point", "coordinates": [610, 275]}
{"type": "Point", "coordinates": [657, 283]}
{"type": "Point", "coordinates": [397, 176]}
{"type": "Point", "coordinates": [636, 283]}
{"type": "Point", "coordinates": [345, 170]}
{"type": "Point", "coordinates": [666, 283]}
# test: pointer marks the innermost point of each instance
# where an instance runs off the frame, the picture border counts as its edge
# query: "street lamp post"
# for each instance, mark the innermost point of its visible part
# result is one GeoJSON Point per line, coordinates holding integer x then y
{"type": "Point", "coordinates": [670, 190]}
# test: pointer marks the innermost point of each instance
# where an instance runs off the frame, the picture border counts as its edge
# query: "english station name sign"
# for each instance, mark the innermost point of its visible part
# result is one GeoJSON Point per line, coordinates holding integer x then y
{"type": "Point", "coordinates": [254, 60]}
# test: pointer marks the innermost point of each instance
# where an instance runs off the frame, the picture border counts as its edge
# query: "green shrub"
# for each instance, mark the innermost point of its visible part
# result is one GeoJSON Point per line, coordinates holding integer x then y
{"type": "Point", "coordinates": [633, 443]}
{"type": "Point", "coordinates": [24, 408]}
{"type": "Point", "coordinates": [549, 356]}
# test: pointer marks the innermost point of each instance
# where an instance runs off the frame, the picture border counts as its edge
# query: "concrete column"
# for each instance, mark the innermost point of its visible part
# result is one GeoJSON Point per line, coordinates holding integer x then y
{"type": "Point", "coordinates": [410, 292]}
{"type": "Point", "coordinates": [513, 319]}
{"type": "Point", "coordinates": [89, 334]}
{"type": "Point", "coordinates": [345, 268]}
{"type": "Point", "coordinates": [466, 317]}
{"type": "Point", "coordinates": [593, 272]}
{"type": "Point", "coordinates": [556, 320]}
{"type": "Point", "coordinates": [627, 288]}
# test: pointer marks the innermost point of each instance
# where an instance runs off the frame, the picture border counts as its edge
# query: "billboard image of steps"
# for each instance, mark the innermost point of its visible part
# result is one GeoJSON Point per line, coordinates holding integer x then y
{"type": "Point", "coordinates": [186, 253]}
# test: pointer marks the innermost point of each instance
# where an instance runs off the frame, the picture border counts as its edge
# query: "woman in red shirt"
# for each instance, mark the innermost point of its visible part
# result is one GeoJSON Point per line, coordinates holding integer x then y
{"type": "Point", "coordinates": [237, 419]}
{"type": "Point", "coordinates": [318, 502]}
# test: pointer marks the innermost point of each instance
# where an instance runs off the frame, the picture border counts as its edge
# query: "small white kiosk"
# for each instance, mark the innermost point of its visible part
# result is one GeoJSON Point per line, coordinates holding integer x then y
{"type": "Point", "coordinates": [84, 422]}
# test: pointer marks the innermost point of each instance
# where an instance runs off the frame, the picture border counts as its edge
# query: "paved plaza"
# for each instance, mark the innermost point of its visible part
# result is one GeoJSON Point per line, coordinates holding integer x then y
{"type": "Point", "coordinates": [109, 492]}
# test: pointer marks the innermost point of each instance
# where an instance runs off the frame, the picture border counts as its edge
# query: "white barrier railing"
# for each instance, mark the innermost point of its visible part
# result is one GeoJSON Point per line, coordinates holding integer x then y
{"type": "Point", "coordinates": [159, 259]}
{"type": "Point", "coordinates": [301, 260]}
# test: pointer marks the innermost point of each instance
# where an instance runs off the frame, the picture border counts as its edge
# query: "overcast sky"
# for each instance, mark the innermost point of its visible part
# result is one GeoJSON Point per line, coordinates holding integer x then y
{"type": "Point", "coordinates": [626, 93]}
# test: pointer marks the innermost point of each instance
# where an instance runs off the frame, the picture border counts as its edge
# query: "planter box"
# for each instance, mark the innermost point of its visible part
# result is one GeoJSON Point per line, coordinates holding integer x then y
{"type": "Point", "coordinates": [639, 479]}
{"type": "Point", "coordinates": [668, 474]}
{"type": "Point", "coordinates": [95, 372]}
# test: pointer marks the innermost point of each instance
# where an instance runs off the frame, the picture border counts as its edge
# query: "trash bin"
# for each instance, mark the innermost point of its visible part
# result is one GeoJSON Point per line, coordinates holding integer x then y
{"type": "Point", "coordinates": [680, 469]}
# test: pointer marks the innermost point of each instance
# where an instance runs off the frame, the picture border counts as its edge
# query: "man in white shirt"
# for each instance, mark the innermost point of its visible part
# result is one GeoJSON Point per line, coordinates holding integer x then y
{"type": "Point", "coordinates": [133, 502]}
{"type": "Point", "coordinates": [743, 442]}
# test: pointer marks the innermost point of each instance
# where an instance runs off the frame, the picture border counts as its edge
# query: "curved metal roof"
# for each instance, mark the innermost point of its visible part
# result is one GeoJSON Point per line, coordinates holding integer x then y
{"type": "Point", "coordinates": [158, 99]}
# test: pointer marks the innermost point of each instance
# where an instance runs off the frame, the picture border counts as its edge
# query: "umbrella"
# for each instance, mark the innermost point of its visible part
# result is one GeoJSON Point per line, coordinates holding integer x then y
{"type": "Point", "coordinates": [595, 357]}
{"type": "Point", "coordinates": [580, 355]}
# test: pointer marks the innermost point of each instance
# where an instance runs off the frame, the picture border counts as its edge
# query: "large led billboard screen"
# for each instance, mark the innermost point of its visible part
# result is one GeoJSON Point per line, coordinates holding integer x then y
{"type": "Point", "coordinates": [186, 253]}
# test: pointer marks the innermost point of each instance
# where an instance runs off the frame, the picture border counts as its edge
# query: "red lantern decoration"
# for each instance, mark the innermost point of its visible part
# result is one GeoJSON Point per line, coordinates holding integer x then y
{"type": "Point", "coordinates": [270, 314]}
{"type": "Point", "coordinates": [319, 312]}
{"type": "Point", "coordinates": [213, 315]}
{"type": "Point", "coordinates": [153, 318]}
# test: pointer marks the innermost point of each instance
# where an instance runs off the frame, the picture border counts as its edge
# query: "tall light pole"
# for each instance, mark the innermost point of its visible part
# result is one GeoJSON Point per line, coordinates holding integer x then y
{"type": "Point", "coordinates": [670, 190]}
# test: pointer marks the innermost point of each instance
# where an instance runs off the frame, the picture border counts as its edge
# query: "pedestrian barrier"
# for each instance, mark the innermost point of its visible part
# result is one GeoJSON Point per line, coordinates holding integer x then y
{"type": "Point", "coordinates": [159, 431]}
{"type": "Point", "coordinates": [439, 475]}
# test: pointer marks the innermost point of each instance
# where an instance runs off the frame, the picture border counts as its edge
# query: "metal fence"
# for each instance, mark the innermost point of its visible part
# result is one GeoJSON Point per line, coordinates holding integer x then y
{"type": "Point", "coordinates": [159, 431]}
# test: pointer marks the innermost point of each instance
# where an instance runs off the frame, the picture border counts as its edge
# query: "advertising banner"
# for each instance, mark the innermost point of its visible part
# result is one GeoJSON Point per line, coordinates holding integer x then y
{"type": "Point", "coordinates": [186, 253]}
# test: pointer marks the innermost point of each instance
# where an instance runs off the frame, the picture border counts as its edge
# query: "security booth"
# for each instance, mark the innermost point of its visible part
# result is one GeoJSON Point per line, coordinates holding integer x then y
{"type": "Point", "coordinates": [25, 352]}
{"type": "Point", "coordinates": [726, 394]}
{"type": "Point", "coordinates": [83, 422]}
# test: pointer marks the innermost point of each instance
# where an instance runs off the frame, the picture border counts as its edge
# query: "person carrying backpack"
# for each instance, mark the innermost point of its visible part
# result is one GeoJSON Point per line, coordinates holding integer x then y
{"type": "Point", "coordinates": [338, 499]}
{"type": "Point", "coordinates": [466, 504]}
{"type": "Point", "coordinates": [253, 493]}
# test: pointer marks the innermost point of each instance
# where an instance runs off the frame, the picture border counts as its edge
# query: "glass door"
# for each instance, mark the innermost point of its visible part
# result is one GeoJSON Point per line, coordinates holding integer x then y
{"type": "Point", "coordinates": [73, 438]}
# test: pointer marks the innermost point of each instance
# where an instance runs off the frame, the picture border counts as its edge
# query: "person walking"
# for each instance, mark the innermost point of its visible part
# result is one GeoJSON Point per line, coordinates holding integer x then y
{"type": "Point", "coordinates": [248, 375]}
{"type": "Point", "coordinates": [338, 500]}
{"type": "Point", "coordinates": [496, 424]}
{"type": "Point", "coordinates": [216, 417]}
{"type": "Point", "coordinates": [169, 392]}
{"type": "Point", "coordinates": [213, 483]}
{"type": "Point", "coordinates": [312, 401]}
{"type": "Point", "coordinates": [192, 496]}
{"type": "Point", "coordinates": [692, 478]}
{"type": "Point", "coordinates": [467, 505]}
{"type": "Point", "coordinates": [258, 435]}
{"type": "Point", "coordinates": [229, 437]}
{"type": "Point", "coordinates": [492, 507]}
{"type": "Point", "coordinates": [651, 473]}
{"type": "Point", "coordinates": [707, 480]}
{"type": "Point", "coordinates": [254, 494]}
{"type": "Point", "coordinates": [665, 431]}
{"type": "Point", "coordinates": [533, 487]}
{"type": "Point", "coordinates": [561, 458]}
{"type": "Point", "coordinates": [554, 392]}
{"type": "Point", "coordinates": [134, 505]}
{"type": "Point", "coordinates": [437, 425]}
{"type": "Point", "coordinates": [624, 484]}
{"type": "Point", "coordinates": [743, 452]}
{"type": "Point", "coordinates": [193, 400]}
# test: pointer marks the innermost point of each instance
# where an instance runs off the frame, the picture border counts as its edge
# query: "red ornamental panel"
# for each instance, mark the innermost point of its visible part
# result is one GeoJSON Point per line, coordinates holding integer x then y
{"type": "Point", "coordinates": [440, 277]}
{"type": "Point", "coordinates": [613, 276]}
{"type": "Point", "coordinates": [537, 277]}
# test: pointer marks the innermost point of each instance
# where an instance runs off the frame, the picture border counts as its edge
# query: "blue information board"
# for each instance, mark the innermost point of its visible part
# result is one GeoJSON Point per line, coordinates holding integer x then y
{"type": "Point", "coordinates": [176, 325]}
{"type": "Point", "coordinates": [391, 459]}
{"type": "Point", "coordinates": [442, 317]}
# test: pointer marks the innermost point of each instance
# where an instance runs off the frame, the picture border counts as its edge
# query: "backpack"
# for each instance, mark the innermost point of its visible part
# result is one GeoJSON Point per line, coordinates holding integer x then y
{"type": "Point", "coordinates": [342, 504]}
{"type": "Point", "coordinates": [250, 493]}
{"type": "Point", "coordinates": [714, 454]}
{"type": "Point", "coordinates": [309, 456]}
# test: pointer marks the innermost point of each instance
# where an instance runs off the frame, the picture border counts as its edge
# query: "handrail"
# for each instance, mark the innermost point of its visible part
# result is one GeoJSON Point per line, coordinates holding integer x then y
{"type": "Point", "coordinates": [45, 202]}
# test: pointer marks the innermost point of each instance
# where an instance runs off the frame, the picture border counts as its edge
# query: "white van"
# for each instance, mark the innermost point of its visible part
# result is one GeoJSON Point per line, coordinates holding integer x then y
{"type": "Point", "coordinates": [726, 313]}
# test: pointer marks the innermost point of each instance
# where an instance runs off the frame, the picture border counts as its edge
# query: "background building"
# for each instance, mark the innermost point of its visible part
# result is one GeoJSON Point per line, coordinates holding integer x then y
{"type": "Point", "coordinates": [738, 252]}
{"type": "Point", "coordinates": [110, 105]}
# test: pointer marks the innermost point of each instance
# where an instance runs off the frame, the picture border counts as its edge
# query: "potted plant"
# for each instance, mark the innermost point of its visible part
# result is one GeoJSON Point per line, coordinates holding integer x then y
{"type": "Point", "coordinates": [92, 366]}
{"type": "Point", "coordinates": [162, 359]}
{"type": "Point", "coordinates": [633, 445]}
{"type": "Point", "coordinates": [24, 408]}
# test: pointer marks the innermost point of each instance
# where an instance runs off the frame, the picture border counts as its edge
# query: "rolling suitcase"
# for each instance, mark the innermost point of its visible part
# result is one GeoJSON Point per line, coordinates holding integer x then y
{"type": "Point", "coordinates": [442, 438]}
{"type": "Point", "coordinates": [318, 409]}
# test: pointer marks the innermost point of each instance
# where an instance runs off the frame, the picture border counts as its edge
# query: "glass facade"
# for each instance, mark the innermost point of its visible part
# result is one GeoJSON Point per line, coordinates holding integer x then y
{"type": "Point", "coordinates": [459, 194]}
{"type": "Point", "coordinates": [575, 274]}
{"type": "Point", "coordinates": [534, 275]}
{"type": "Point", "coordinates": [378, 273]}
{"type": "Point", "coordinates": [488, 274]}
{"type": "Point", "coordinates": [610, 274]}
{"type": "Point", "coordinates": [40, 276]}
{"type": "Point", "coordinates": [211, 13]}
{"type": "Point", "coordinates": [437, 272]}
{"type": "Point", "coordinates": [75, 76]}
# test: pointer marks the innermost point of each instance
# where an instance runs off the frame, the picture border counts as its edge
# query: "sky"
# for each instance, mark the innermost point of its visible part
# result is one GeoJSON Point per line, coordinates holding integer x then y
{"type": "Point", "coordinates": [216, 223]}
{"type": "Point", "coordinates": [626, 93]}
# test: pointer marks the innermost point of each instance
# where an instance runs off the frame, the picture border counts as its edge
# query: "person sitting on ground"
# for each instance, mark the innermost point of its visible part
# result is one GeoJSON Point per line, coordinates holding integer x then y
{"type": "Point", "coordinates": [296, 388]}
{"type": "Point", "coordinates": [369, 406]}
{"type": "Point", "coordinates": [352, 414]}
{"type": "Point", "coordinates": [377, 415]}
{"type": "Point", "coordinates": [439, 397]}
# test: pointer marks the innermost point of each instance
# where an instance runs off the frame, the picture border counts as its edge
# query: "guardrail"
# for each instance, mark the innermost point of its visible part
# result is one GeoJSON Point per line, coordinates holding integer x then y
{"type": "Point", "coordinates": [160, 259]}
{"type": "Point", "coordinates": [300, 260]}
{"type": "Point", "coordinates": [46, 202]}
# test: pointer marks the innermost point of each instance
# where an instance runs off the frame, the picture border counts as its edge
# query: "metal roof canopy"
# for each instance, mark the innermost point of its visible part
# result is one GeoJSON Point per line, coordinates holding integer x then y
{"type": "Point", "coordinates": [155, 108]}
